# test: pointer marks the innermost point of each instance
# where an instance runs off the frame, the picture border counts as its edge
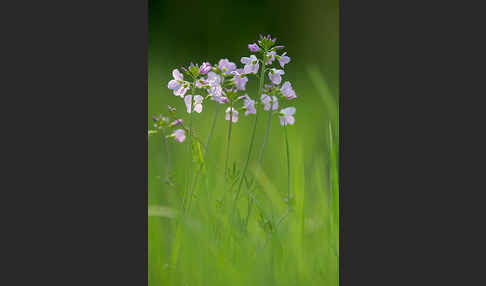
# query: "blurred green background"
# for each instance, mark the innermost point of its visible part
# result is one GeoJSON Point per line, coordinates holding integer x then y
{"type": "Point", "coordinates": [204, 249]}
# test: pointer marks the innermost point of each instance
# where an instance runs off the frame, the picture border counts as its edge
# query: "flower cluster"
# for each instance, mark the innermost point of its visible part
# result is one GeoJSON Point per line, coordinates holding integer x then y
{"type": "Point", "coordinates": [164, 123]}
{"type": "Point", "coordinates": [225, 83]}
{"type": "Point", "coordinates": [273, 92]}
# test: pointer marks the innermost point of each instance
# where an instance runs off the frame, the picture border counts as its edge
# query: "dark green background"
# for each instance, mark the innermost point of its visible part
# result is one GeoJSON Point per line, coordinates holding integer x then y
{"type": "Point", "coordinates": [181, 31]}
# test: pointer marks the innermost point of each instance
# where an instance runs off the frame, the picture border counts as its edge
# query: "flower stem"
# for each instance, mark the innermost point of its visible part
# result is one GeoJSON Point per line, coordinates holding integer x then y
{"type": "Point", "coordinates": [288, 167]}
{"type": "Point", "coordinates": [260, 88]}
{"type": "Point", "coordinates": [229, 137]}
{"type": "Point", "coordinates": [188, 180]}
{"type": "Point", "coordinates": [166, 149]}
{"type": "Point", "coordinates": [213, 124]}
{"type": "Point", "coordinates": [260, 156]}
{"type": "Point", "coordinates": [205, 155]}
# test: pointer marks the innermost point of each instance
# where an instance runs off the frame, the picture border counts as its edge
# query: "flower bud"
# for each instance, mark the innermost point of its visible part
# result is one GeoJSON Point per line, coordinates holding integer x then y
{"type": "Point", "coordinates": [253, 47]}
{"type": "Point", "coordinates": [194, 70]}
{"type": "Point", "coordinates": [177, 122]}
{"type": "Point", "coordinates": [205, 68]}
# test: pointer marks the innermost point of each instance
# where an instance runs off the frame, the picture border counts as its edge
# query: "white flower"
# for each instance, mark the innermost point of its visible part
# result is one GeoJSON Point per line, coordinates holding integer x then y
{"type": "Point", "coordinates": [249, 105]}
{"type": "Point", "coordinates": [283, 59]}
{"type": "Point", "coordinates": [234, 116]}
{"type": "Point", "coordinates": [275, 76]}
{"type": "Point", "coordinates": [286, 116]}
{"type": "Point", "coordinates": [197, 104]}
{"type": "Point", "coordinates": [178, 85]}
{"type": "Point", "coordinates": [179, 135]}
{"type": "Point", "coordinates": [287, 90]}
{"type": "Point", "coordinates": [269, 102]}
{"type": "Point", "coordinates": [251, 64]}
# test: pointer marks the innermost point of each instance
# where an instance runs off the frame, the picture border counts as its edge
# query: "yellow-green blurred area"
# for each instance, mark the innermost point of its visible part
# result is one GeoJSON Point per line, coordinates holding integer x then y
{"type": "Point", "coordinates": [205, 246]}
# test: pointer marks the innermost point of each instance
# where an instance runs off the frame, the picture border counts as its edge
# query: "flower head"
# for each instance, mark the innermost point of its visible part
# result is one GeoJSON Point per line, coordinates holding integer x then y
{"type": "Point", "coordinates": [179, 135]}
{"type": "Point", "coordinates": [286, 116]}
{"type": "Point", "coordinates": [178, 85]}
{"type": "Point", "coordinates": [275, 76]}
{"type": "Point", "coordinates": [226, 66]}
{"type": "Point", "coordinates": [274, 103]}
{"type": "Point", "coordinates": [171, 109]}
{"type": "Point", "coordinates": [205, 68]}
{"type": "Point", "coordinates": [214, 78]}
{"type": "Point", "coordinates": [196, 105]}
{"type": "Point", "coordinates": [287, 90]}
{"type": "Point", "coordinates": [283, 59]}
{"type": "Point", "coordinates": [200, 83]}
{"type": "Point", "coordinates": [234, 114]}
{"type": "Point", "coordinates": [271, 57]}
{"type": "Point", "coordinates": [177, 122]}
{"type": "Point", "coordinates": [253, 47]}
{"type": "Point", "coordinates": [269, 102]}
{"type": "Point", "coordinates": [249, 105]}
{"type": "Point", "coordinates": [251, 64]}
{"type": "Point", "coordinates": [267, 42]}
{"type": "Point", "coordinates": [215, 90]}
{"type": "Point", "coordinates": [239, 79]}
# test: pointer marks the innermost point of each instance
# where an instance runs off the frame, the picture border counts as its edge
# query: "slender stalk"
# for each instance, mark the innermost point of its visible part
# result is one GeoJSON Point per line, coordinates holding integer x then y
{"type": "Point", "coordinates": [288, 166]}
{"type": "Point", "coordinates": [260, 157]}
{"type": "Point", "coordinates": [188, 180]}
{"type": "Point", "coordinates": [260, 88]}
{"type": "Point", "coordinates": [205, 155]}
{"type": "Point", "coordinates": [229, 137]}
{"type": "Point", "coordinates": [166, 149]}
{"type": "Point", "coordinates": [213, 124]}
{"type": "Point", "coordinates": [288, 180]}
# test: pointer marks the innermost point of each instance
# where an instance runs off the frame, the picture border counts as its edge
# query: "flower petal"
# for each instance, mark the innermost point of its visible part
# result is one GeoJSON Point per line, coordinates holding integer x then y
{"type": "Point", "coordinates": [177, 75]}
{"type": "Point", "coordinates": [198, 107]}
{"type": "Point", "coordinates": [173, 84]}
{"type": "Point", "coordinates": [289, 111]}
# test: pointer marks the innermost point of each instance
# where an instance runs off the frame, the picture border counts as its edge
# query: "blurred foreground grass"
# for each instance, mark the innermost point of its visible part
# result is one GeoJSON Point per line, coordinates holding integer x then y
{"type": "Point", "coordinates": [205, 247]}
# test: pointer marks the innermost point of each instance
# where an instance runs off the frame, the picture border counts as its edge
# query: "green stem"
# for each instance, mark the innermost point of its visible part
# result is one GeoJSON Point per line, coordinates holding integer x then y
{"type": "Point", "coordinates": [288, 167]}
{"type": "Point", "coordinates": [260, 159]}
{"type": "Point", "coordinates": [188, 180]}
{"type": "Point", "coordinates": [260, 88]}
{"type": "Point", "coordinates": [213, 124]}
{"type": "Point", "coordinates": [229, 137]}
{"type": "Point", "coordinates": [205, 155]}
{"type": "Point", "coordinates": [267, 131]}
{"type": "Point", "coordinates": [166, 149]}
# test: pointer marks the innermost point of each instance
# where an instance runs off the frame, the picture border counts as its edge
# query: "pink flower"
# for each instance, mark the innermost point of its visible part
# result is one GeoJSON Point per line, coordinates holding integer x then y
{"type": "Point", "coordinates": [239, 80]}
{"type": "Point", "coordinates": [287, 90]}
{"type": "Point", "coordinates": [269, 102]}
{"type": "Point", "coordinates": [226, 66]}
{"type": "Point", "coordinates": [253, 47]}
{"type": "Point", "coordinates": [234, 116]}
{"type": "Point", "coordinates": [283, 59]}
{"type": "Point", "coordinates": [286, 116]}
{"type": "Point", "coordinates": [177, 122]}
{"type": "Point", "coordinates": [249, 105]}
{"type": "Point", "coordinates": [215, 90]}
{"type": "Point", "coordinates": [251, 64]}
{"type": "Point", "coordinates": [275, 76]}
{"type": "Point", "coordinates": [205, 68]}
{"type": "Point", "coordinates": [196, 105]}
{"type": "Point", "coordinates": [178, 85]}
{"type": "Point", "coordinates": [179, 135]}
{"type": "Point", "coordinates": [271, 57]}
{"type": "Point", "coordinates": [274, 103]}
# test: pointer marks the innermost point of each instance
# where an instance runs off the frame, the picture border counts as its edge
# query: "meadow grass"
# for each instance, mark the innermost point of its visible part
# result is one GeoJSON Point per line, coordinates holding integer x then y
{"type": "Point", "coordinates": [262, 243]}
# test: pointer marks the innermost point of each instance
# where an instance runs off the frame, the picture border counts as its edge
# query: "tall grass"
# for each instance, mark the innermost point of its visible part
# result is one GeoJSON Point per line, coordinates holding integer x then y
{"type": "Point", "coordinates": [266, 244]}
